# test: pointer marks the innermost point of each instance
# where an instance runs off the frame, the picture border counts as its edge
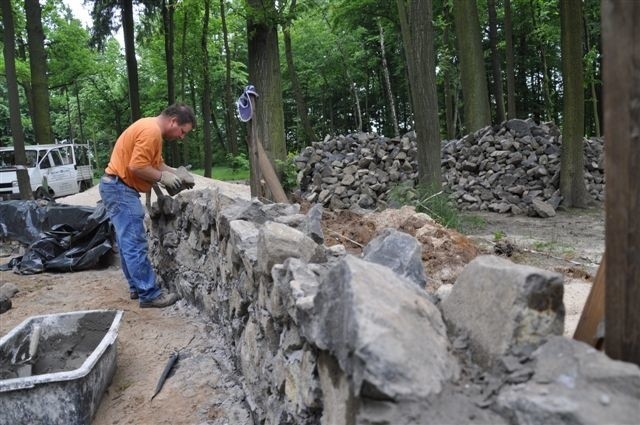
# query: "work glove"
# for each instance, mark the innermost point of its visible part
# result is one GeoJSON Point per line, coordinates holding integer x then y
{"type": "Point", "coordinates": [170, 181]}
{"type": "Point", "coordinates": [186, 177]}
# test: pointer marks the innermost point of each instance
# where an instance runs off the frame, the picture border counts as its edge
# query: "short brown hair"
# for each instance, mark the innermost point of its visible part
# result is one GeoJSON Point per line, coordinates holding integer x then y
{"type": "Point", "coordinates": [182, 112]}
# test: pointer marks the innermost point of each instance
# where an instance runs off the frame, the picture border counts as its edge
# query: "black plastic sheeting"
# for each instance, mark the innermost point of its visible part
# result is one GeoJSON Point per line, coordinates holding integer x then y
{"type": "Point", "coordinates": [60, 238]}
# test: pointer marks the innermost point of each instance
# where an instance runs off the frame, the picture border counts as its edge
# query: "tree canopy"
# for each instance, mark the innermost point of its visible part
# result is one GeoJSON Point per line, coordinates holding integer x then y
{"type": "Point", "coordinates": [342, 78]}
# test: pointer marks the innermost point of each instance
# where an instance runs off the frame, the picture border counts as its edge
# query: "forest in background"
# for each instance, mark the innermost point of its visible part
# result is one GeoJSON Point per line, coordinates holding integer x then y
{"type": "Point", "coordinates": [340, 66]}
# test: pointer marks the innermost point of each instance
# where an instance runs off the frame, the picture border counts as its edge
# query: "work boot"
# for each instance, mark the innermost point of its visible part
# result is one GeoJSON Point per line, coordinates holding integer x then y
{"type": "Point", "coordinates": [165, 299]}
{"type": "Point", "coordinates": [133, 295]}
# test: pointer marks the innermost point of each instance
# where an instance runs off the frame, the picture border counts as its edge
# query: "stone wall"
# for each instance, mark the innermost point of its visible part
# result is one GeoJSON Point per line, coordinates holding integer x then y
{"type": "Point", "coordinates": [324, 337]}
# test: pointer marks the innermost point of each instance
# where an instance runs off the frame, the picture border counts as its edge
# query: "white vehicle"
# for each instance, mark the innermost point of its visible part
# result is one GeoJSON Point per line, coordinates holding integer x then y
{"type": "Point", "coordinates": [79, 156]}
{"type": "Point", "coordinates": [50, 174]}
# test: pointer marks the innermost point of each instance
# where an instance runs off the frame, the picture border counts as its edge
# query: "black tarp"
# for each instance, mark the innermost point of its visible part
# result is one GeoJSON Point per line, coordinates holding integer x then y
{"type": "Point", "coordinates": [60, 238]}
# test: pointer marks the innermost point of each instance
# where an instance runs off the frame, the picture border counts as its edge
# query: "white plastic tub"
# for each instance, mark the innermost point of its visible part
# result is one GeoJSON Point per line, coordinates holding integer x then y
{"type": "Point", "coordinates": [74, 363]}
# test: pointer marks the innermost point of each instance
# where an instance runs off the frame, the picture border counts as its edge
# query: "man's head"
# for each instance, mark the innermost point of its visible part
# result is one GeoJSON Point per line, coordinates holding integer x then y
{"type": "Point", "coordinates": [179, 119]}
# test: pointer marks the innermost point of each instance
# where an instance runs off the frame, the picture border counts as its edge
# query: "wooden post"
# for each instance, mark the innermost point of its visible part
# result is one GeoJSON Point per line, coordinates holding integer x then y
{"type": "Point", "coordinates": [593, 312]}
{"type": "Point", "coordinates": [621, 72]}
{"type": "Point", "coordinates": [261, 166]}
{"type": "Point", "coordinates": [254, 173]}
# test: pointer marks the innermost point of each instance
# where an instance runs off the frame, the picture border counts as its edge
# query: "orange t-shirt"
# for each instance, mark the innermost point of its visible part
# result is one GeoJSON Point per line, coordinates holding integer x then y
{"type": "Point", "coordinates": [138, 146]}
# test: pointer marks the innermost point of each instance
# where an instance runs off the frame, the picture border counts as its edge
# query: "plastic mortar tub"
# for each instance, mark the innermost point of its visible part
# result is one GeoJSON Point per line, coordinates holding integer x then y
{"type": "Point", "coordinates": [73, 363]}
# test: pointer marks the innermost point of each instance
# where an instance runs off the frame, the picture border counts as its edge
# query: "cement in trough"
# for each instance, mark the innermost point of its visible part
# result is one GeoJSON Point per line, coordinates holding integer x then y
{"type": "Point", "coordinates": [59, 350]}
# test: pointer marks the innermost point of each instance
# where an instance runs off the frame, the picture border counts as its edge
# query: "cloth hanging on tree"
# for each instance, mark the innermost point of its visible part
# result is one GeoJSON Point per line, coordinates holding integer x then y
{"type": "Point", "coordinates": [245, 110]}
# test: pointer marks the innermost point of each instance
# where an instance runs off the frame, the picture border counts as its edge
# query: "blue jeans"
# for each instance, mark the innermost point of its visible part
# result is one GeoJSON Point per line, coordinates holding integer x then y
{"type": "Point", "coordinates": [127, 216]}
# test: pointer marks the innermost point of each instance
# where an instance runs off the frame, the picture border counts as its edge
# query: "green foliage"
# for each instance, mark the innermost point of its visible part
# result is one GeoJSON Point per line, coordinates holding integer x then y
{"type": "Point", "coordinates": [425, 199]}
{"type": "Point", "coordinates": [288, 172]}
{"type": "Point", "coordinates": [224, 173]}
{"type": "Point", "coordinates": [498, 235]}
{"type": "Point", "coordinates": [238, 162]}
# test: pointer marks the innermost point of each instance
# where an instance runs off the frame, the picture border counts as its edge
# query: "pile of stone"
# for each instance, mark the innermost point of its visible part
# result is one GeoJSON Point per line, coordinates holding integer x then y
{"type": "Point", "coordinates": [514, 167]}
{"type": "Point", "coordinates": [320, 336]}
{"type": "Point", "coordinates": [358, 169]}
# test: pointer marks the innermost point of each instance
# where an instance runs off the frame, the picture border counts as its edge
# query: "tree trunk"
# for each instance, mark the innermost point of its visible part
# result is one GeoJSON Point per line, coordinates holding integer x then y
{"type": "Point", "coordinates": [510, 72]}
{"type": "Point", "coordinates": [264, 73]}
{"type": "Point", "coordinates": [622, 155]}
{"type": "Point", "coordinates": [572, 187]}
{"type": "Point", "coordinates": [592, 83]}
{"type": "Point", "coordinates": [472, 70]}
{"type": "Point", "coordinates": [82, 139]}
{"type": "Point", "coordinates": [548, 112]}
{"type": "Point", "coordinates": [8, 34]}
{"type": "Point", "coordinates": [70, 126]}
{"type": "Point", "coordinates": [132, 63]}
{"type": "Point", "coordinates": [229, 120]}
{"type": "Point", "coordinates": [495, 61]}
{"type": "Point", "coordinates": [417, 36]}
{"type": "Point", "coordinates": [168, 9]}
{"type": "Point", "coordinates": [387, 84]}
{"type": "Point", "coordinates": [448, 81]}
{"type": "Point", "coordinates": [206, 91]}
{"type": "Point", "coordinates": [38, 66]}
{"type": "Point", "coordinates": [301, 105]}
{"type": "Point", "coordinates": [183, 60]}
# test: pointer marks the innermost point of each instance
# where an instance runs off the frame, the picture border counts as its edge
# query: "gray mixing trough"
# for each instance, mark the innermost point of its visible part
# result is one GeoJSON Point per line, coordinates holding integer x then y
{"type": "Point", "coordinates": [74, 361]}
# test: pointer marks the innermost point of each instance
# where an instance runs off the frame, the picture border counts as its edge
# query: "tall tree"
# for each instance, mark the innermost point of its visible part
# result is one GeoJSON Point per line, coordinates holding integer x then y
{"type": "Point", "coordinates": [102, 14]}
{"type": "Point", "coordinates": [510, 72]}
{"type": "Point", "coordinates": [229, 120]}
{"type": "Point", "coordinates": [417, 34]}
{"type": "Point", "coordinates": [473, 75]}
{"type": "Point", "coordinates": [301, 104]}
{"type": "Point", "coordinates": [38, 66]}
{"type": "Point", "coordinates": [387, 83]}
{"type": "Point", "coordinates": [495, 61]}
{"type": "Point", "coordinates": [572, 187]}
{"type": "Point", "coordinates": [264, 74]}
{"type": "Point", "coordinates": [206, 90]}
{"type": "Point", "coordinates": [168, 8]}
{"type": "Point", "coordinates": [8, 33]}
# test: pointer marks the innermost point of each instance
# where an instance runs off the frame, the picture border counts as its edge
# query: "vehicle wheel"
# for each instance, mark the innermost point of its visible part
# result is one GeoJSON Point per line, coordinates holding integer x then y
{"type": "Point", "coordinates": [40, 194]}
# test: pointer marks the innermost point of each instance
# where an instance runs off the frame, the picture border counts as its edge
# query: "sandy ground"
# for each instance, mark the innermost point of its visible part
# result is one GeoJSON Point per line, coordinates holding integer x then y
{"type": "Point", "coordinates": [204, 387]}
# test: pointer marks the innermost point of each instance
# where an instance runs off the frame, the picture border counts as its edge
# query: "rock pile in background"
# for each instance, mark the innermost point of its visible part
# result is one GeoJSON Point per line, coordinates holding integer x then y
{"type": "Point", "coordinates": [514, 167]}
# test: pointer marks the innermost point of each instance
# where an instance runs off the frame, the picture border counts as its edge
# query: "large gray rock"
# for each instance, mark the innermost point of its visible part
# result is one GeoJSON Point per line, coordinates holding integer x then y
{"type": "Point", "coordinates": [399, 251]}
{"type": "Point", "coordinates": [543, 209]}
{"type": "Point", "coordinates": [386, 335]}
{"type": "Point", "coordinates": [500, 306]}
{"type": "Point", "coordinates": [277, 242]}
{"type": "Point", "coordinates": [574, 384]}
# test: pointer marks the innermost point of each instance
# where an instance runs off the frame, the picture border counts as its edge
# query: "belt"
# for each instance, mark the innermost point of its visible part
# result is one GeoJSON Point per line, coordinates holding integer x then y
{"type": "Point", "coordinates": [119, 179]}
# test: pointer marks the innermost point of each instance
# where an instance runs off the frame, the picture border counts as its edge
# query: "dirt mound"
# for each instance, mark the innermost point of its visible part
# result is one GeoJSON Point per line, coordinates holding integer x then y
{"type": "Point", "coordinates": [444, 252]}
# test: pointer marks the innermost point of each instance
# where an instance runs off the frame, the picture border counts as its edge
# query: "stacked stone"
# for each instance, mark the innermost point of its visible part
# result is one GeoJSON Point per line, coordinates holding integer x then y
{"type": "Point", "coordinates": [320, 336]}
{"type": "Point", "coordinates": [514, 167]}
{"type": "Point", "coordinates": [358, 169]}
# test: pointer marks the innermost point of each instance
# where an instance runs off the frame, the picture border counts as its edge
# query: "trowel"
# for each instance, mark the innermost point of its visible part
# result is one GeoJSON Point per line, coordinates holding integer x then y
{"type": "Point", "coordinates": [25, 367]}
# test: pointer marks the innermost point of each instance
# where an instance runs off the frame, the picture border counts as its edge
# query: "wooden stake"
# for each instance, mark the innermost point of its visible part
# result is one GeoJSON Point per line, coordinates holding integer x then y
{"type": "Point", "coordinates": [593, 312]}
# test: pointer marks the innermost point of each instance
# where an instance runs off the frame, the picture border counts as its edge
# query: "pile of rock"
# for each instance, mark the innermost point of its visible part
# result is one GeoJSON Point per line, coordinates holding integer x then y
{"type": "Point", "coordinates": [514, 167]}
{"type": "Point", "coordinates": [358, 169]}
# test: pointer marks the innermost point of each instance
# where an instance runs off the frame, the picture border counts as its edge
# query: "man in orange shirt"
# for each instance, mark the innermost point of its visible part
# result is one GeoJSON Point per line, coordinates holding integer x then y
{"type": "Point", "coordinates": [136, 164]}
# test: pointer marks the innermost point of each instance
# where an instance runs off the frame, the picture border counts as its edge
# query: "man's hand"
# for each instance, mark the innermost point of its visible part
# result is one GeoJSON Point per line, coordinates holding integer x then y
{"type": "Point", "coordinates": [186, 177]}
{"type": "Point", "coordinates": [171, 181]}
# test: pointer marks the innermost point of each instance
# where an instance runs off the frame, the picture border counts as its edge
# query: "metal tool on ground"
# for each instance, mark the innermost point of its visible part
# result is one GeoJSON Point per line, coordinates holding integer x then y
{"type": "Point", "coordinates": [167, 368]}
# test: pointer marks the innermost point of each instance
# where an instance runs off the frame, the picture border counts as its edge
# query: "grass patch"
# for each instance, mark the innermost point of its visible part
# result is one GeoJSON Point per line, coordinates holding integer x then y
{"type": "Point", "coordinates": [224, 173]}
{"type": "Point", "coordinates": [436, 204]}
{"type": "Point", "coordinates": [555, 248]}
